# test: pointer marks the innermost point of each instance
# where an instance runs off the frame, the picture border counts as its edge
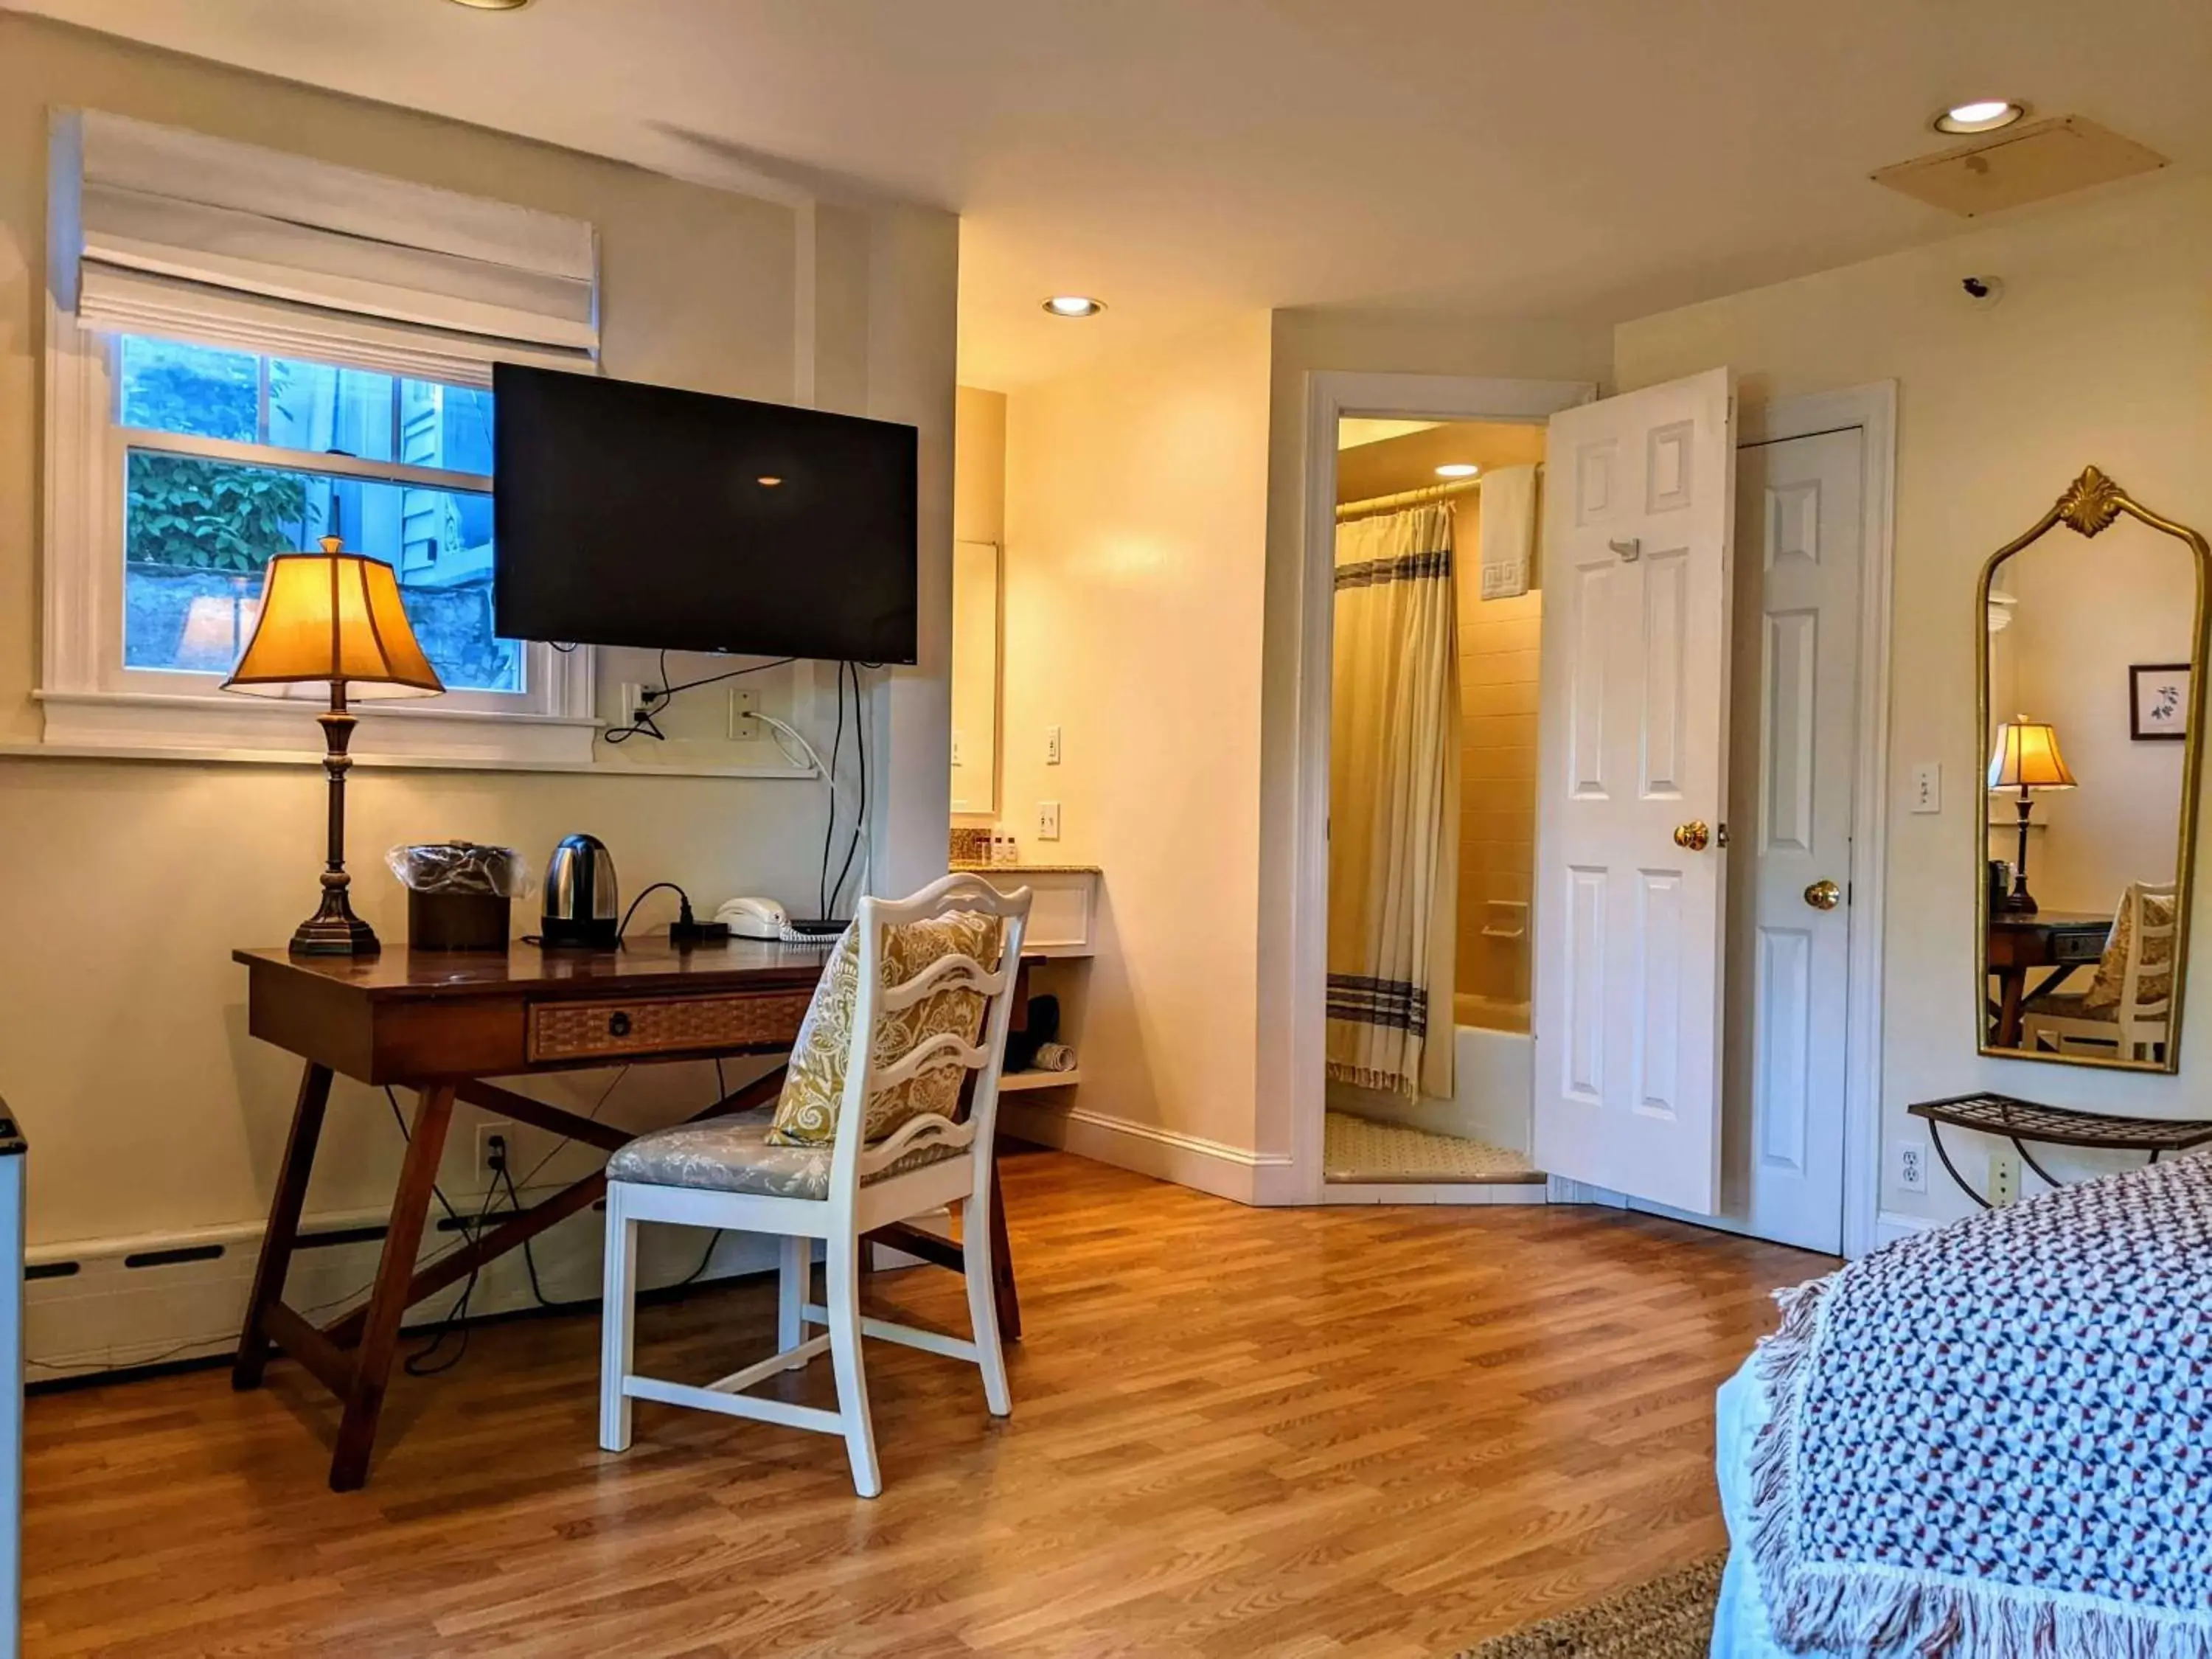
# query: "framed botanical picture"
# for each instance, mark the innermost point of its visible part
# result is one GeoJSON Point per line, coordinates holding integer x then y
{"type": "Point", "coordinates": [2159, 696]}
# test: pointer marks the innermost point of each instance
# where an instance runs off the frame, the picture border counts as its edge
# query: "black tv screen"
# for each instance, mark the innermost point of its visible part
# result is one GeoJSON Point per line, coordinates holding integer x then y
{"type": "Point", "coordinates": [627, 514]}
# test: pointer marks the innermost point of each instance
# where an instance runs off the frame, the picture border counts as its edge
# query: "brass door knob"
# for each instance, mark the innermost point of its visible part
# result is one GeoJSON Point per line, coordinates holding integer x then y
{"type": "Point", "coordinates": [1693, 835]}
{"type": "Point", "coordinates": [1823, 896]}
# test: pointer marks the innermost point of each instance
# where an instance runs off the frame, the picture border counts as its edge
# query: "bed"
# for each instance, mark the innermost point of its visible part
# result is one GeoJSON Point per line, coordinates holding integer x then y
{"type": "Point", "coordinates": [1993, 1441]}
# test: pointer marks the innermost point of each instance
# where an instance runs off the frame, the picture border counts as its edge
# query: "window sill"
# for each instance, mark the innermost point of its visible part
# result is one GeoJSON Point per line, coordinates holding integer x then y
{"type": "Point", "coordinates": [128, 725]}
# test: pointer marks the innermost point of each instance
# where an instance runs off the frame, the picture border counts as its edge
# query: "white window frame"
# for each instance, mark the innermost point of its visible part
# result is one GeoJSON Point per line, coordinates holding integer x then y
{"type": "Point", "coordinates": [91, 700]}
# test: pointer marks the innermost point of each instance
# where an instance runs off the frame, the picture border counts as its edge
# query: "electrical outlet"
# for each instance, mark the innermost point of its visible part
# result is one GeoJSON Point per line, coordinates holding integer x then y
{"type": "Point", "coordinates": [1928, 786]}
{"type": "Point", "coordinates": [1052, 746]}
{"type": "Point", "coordinates": [2004, 1176]}
{"type": "Point", "coordinates": [956, 761]}
{"type": "Point", "coordinates": [743, 705]}
{"type": "Point", "coordinates": [1047, 820]}
{"type": "Point", "coordinates": [1908, 1164]}
{"type": "Point", "coordinates": [495, 1141]}
{"type": "Point", "coordinates": [631, 703]}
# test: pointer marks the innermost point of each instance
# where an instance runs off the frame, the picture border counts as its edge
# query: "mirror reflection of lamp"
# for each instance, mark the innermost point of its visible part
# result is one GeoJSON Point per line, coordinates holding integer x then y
{"type": "Point", "coordinates": [2027, 759]}
{"type": "Point", "coordinates": [217, 627]}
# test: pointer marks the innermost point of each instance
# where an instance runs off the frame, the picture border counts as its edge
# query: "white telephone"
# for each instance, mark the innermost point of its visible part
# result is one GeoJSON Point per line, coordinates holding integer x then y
{"type": "Point", "coordinates": [755, 918]}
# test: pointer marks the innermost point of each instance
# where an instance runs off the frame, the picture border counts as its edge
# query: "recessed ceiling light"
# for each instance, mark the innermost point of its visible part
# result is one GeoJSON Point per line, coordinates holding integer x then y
{"type": "Point", "coordinates": [1457, 470]}
{"type": "Point", "coordinates": [1074, 304]}
{"type": "Point", "coordinates": [767, 481]}
{"type": "Point", "coordinates": [493, 5]}
{"type": "Point", "coordinates": [1983, 115]}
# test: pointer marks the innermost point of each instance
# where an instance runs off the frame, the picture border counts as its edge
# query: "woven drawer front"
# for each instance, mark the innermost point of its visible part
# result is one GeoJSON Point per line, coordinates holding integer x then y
{"type": "Point", "coordinates": [572, 1030]}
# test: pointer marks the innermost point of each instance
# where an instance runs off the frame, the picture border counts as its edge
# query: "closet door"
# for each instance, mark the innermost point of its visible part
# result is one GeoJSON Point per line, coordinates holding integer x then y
{"type": "Point", "coordinates": [1632, 787]}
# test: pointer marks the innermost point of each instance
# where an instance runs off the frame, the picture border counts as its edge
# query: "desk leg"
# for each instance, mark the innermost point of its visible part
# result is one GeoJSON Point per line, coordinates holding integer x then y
{"type": "Point", "coordinates": [2012, 992]}
{"type": "Point", "coordinates": [283, 1226]}
{"type": "Point", "coordinates": [388, 1303]}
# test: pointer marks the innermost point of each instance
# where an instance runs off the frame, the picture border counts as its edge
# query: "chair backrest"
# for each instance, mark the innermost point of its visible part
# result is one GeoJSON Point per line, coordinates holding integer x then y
{"type": "Point", "coordinates": [868, 1071]}
{"type": "Point", "coordinates": [2146, 986]}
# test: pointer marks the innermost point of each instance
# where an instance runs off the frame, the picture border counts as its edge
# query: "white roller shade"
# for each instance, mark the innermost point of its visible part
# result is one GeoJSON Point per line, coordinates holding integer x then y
{"type": "Point", "coordinates": [160, 228]}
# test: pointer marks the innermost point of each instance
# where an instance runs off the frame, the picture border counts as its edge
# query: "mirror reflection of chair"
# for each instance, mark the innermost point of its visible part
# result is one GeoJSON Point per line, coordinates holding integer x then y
{"type": "Point", "coordinates": [2124, 1013]}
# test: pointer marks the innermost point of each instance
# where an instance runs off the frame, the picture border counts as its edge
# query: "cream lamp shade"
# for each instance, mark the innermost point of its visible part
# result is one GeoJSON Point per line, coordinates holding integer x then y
{"type": "Point", "coordinates": [336, 617]}
{"type": "Point", "coordinates": [2026, 757]}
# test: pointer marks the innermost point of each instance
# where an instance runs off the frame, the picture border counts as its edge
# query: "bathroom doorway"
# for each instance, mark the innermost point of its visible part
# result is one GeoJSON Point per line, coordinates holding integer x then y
{"type": "Point", "coordinates": [1437, 634]}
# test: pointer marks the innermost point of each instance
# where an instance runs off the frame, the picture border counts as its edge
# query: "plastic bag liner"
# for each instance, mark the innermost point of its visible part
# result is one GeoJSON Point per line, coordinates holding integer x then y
{"type": "Point", "coordinates": [461, 867]}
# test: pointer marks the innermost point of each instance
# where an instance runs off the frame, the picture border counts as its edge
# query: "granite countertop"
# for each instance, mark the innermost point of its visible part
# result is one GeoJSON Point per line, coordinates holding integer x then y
{"type": "Point", "coordinates": [1025, 868]}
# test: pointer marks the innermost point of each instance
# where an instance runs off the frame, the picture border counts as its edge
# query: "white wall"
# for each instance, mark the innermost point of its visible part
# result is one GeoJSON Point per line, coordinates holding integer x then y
{"type": "Point", "coordinates": [2100, 352]}
{"type": "Point", "coordinates": [125, 885]}
{"type": "Point", "coordinates": [1136, 524]}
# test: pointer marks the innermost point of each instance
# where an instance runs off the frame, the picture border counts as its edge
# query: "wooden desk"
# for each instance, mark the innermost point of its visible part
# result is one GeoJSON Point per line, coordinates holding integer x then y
{"type": "Point", "coordinates": [2062, 940]}
{"type": "Point", "coordinates": [442, 1024]}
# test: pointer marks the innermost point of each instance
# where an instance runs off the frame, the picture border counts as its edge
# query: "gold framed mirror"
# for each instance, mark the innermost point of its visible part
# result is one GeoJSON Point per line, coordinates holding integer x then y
{"type": "Point", "coordinates": [2089, 664]}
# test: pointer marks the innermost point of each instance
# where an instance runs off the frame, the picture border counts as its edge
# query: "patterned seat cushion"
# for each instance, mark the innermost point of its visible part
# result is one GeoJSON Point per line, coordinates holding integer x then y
{"type": "Point", "coordinates": [806, 1115]}
{"type": "Point", "coordinates": [735, 1155]}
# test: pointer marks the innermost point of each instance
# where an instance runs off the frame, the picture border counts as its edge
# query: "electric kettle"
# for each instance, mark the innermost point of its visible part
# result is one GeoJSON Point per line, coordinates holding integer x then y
{"type": "Point", "coordinates": [582, 904]}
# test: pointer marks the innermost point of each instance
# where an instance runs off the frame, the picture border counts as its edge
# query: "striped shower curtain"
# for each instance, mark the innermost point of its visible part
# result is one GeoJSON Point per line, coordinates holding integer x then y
{"type": "Point", "coordinates": [1394, 804]}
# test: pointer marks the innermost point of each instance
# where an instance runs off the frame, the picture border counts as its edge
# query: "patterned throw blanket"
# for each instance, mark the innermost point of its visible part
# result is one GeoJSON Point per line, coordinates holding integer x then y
{"type": "Point", "coordinates": [1995, 1440]}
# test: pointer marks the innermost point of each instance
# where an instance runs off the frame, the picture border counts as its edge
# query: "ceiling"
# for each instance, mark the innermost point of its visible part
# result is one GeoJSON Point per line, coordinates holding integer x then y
{"type": "Point", "coordinates": [1185, 159]}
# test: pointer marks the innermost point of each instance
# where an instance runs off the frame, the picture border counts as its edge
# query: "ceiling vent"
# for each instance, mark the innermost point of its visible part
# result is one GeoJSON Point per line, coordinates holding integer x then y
{"type": "Point", "coordinates": [2020, 165]}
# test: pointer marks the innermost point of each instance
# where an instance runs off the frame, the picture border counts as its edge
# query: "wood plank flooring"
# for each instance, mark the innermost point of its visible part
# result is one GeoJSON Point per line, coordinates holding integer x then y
{"type": "Point", "coordinates": [1374, 1432]}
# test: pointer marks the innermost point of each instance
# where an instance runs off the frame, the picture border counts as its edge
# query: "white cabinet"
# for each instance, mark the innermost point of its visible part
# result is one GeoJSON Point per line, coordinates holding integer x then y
{"type": "Point", "coordinates": [1063, 934]}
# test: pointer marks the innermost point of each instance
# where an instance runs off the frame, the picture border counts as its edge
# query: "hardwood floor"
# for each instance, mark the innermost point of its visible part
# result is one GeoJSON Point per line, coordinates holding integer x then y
{"type": "Point", "coordinates": [1385, 1432]}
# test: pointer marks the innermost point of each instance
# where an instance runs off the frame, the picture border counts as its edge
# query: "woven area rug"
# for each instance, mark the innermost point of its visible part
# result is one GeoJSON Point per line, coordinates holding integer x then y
{"type": "Point", "coordinates": [1669, 1618]}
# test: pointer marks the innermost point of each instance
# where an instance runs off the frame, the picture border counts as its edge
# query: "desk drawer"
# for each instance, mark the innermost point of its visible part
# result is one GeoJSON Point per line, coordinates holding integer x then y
{"type": "Point", "coordinates": [2069, 945]}
{"type": "Point", "coordinates": [666, 1025]}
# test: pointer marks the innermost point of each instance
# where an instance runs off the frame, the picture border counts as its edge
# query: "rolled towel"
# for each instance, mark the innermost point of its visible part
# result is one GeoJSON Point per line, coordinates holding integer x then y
{"type": "Point", "coordinates": [1054, 1057]}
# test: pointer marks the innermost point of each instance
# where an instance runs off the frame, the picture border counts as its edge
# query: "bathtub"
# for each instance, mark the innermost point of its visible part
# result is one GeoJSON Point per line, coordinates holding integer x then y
{"type": "Point", "coordinates": [1494, 1079]}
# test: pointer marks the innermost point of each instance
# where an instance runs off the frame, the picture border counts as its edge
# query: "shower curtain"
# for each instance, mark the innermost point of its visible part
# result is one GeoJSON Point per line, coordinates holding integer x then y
{"type": "Point", "coordinates": [1394, 804]}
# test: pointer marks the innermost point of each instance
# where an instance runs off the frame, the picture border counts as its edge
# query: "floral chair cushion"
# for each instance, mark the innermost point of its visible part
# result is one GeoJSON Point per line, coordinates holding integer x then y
{"type": "Point", "coordinates": [806, 1114]}
{"type": "Point", "coordinates": [735, 1155]}
{"type": "Point", "coordinates": [2156, 984]}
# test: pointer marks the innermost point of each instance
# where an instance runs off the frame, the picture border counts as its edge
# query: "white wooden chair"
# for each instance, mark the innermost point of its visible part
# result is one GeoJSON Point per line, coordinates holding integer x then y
{"type": "Point", "coordinates": [2134, 1027]}
{"type": "Point", "coordinates": [725, 1174]}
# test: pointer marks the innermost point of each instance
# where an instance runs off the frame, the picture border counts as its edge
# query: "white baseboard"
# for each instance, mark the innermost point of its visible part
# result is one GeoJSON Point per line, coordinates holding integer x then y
{"type": "Point", "coordinates": [1209, 1166]}
{"type": "Point", "coordinates": [98, 1305]}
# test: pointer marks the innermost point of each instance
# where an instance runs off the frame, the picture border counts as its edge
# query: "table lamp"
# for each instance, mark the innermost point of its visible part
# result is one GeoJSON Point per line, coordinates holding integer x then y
{"type": "Point", "coordinates": [334, 617]}
{"type": "Point", "coordinates": [2027, 759]}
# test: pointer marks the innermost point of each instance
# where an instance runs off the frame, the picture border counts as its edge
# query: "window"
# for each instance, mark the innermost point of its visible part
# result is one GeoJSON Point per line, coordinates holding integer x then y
{"type": "Point", "coordinates": [247, 351]}
{"type": "Point", "coordinates": [230, 457]}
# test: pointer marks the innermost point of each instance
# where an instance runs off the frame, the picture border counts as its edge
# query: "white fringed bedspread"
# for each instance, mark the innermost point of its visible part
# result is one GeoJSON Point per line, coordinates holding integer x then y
{"type": "Point", "coordinates": [1994, 1440]}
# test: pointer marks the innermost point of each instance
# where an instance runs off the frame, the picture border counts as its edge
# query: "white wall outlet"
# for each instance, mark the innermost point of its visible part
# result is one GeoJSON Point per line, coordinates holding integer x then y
{"type": "Point", "coordinates": [1047, 820]}
{"type": "Point", "coordinates": [1928, 786]}
{"type": "Point", "coordinates": [1908, 1165]}
{"type": "Point", "coordinates": [1052, 746]}
{"type": "Point", "coordinates": [2004, 1176]}
{"type": "Point", "coordinates": [495, 1136]}
{"type": "Point", "coordinates": [631, 703]}
{"type": "Point", "coordinates": [743, 705]}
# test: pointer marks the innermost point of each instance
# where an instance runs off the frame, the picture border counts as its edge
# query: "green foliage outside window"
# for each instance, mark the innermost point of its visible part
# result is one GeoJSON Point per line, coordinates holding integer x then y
{"type": "Point", "coordinates": [189, 514]}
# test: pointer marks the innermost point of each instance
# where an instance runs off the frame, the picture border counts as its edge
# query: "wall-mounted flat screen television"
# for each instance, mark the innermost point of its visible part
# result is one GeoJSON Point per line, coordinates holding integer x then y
{"type": "Point", "coordinates": [628, 515]}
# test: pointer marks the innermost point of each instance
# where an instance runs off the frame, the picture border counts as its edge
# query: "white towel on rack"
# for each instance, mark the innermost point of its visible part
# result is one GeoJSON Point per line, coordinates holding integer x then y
{"type": "Point", "coordinates": [1509, 531]}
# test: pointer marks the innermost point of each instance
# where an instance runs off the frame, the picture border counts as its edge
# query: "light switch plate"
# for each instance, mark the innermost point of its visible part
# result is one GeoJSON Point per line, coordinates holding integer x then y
{"type": "Point", "coordinates": [1928, 786]}
{"type": "Point", "coordinates": [1047, 820]}
{"type": "Point", "coordinates": [1052, 746]}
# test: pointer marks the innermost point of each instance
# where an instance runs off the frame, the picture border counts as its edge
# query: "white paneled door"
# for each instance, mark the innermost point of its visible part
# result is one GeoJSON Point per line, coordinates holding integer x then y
{"type": "Point", "coordinates": [1799, 507]}
{"type": "Point", "coordinates": [1632, 791]}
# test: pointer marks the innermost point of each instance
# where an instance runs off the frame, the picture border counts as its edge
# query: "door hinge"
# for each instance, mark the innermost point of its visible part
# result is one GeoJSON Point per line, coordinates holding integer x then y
{"type": "Point", "coordinates": [1723, 833]}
